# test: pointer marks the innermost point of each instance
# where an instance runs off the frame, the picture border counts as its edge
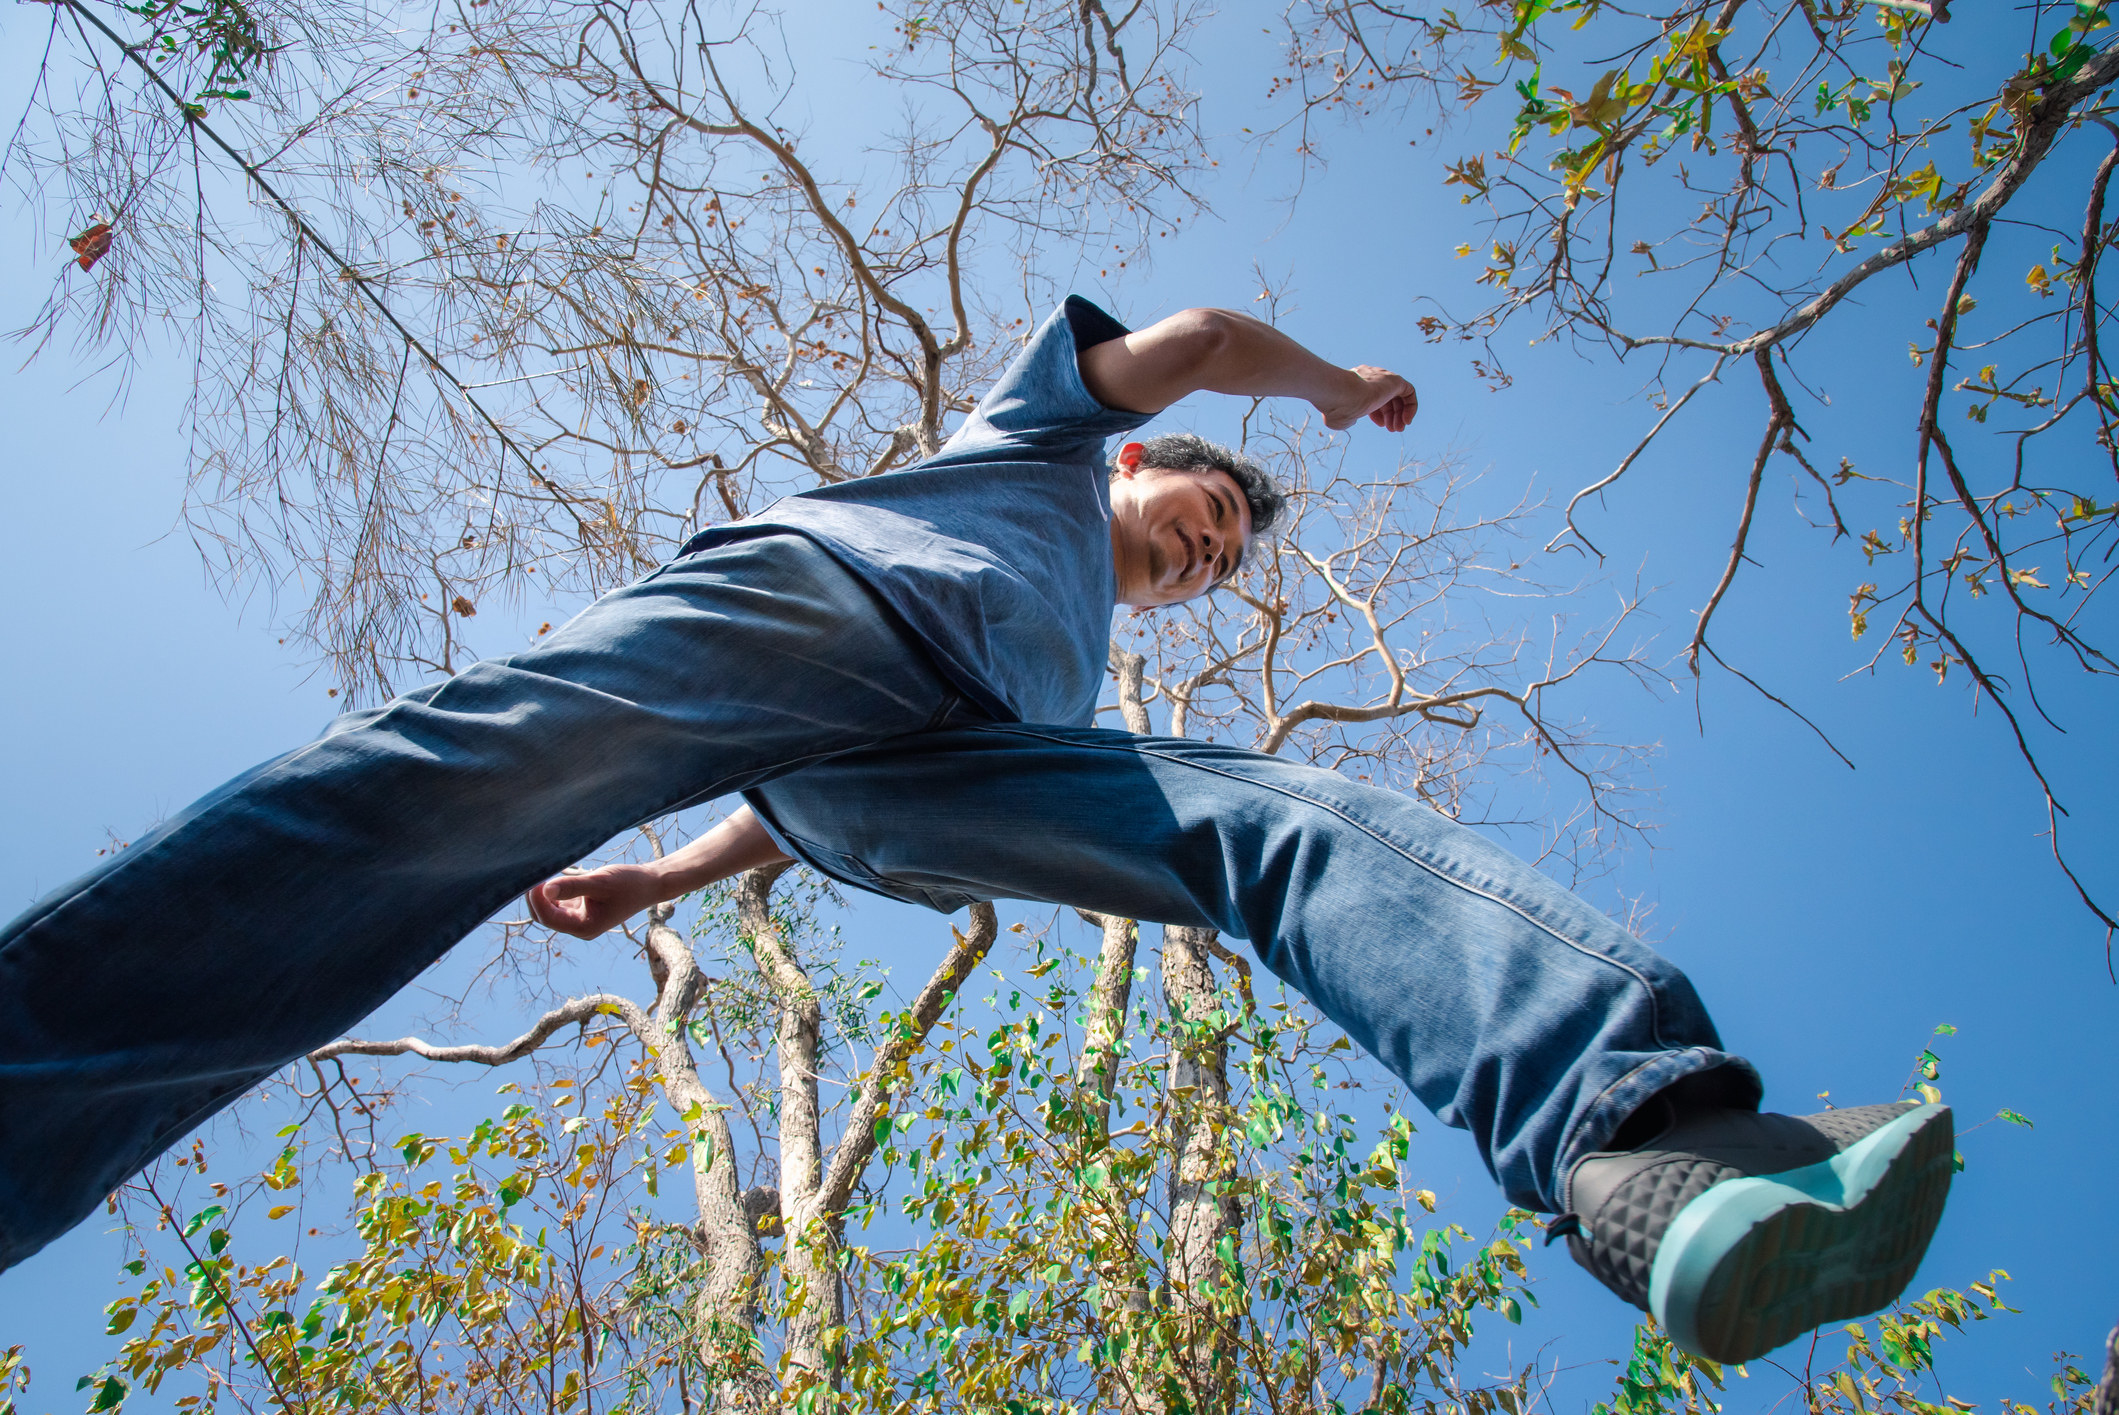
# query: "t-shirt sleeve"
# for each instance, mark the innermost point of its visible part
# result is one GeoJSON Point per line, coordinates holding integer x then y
{"type": "Point", "coordinates": [1039, 410]}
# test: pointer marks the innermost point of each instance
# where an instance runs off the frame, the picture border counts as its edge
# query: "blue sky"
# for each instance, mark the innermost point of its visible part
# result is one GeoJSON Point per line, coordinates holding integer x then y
{"type": "Point", "coordinates": [1831, 918]}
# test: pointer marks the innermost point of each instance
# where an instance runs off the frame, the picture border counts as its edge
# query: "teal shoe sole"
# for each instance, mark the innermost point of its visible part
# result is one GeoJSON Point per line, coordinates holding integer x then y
{"type": "Point", "coordinates": [1754, 1263]}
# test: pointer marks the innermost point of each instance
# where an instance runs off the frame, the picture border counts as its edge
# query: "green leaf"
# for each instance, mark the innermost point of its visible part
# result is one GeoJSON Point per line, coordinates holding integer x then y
{"type": "Point", "coordinates": [203, 1217]}
{"type": "Point", "coordinates": [110, 1397]}
{"type": "Point", "coordinates": [2017, 1117]}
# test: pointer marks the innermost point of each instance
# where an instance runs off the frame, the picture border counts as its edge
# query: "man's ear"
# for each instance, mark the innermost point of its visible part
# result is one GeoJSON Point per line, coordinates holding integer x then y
{"type": "Point", "coordinates": [1128, 459]}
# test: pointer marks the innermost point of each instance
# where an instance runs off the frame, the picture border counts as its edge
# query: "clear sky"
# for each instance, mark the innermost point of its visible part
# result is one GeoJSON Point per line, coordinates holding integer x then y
{"type": "Point", "coordinates": [1831, 918]}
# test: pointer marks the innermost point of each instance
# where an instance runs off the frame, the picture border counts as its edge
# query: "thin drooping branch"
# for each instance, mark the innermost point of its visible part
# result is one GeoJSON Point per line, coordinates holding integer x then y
{"type": "Point", "coordinates": [194, 118]}
{"type": "Point", "coordinates": [1630, 458]}
{"type": "Point", "coordinates": [1778, 418]}
{"type": "Point", "coordinates": [888, 1074]}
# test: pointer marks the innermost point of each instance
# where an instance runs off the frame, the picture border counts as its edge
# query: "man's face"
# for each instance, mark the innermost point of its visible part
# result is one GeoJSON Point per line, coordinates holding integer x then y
{"type": "Point", "coordinates": [1174, 534]}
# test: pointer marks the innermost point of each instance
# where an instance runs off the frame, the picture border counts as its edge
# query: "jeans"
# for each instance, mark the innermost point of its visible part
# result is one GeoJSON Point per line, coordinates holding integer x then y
{"type": "Point", "coordinates": [276, 912]}
{"type": "Point", "coordinates": [1510, 1007]}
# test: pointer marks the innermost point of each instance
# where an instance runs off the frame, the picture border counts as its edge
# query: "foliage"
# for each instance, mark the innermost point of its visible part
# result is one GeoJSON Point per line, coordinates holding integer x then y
{"type": "Point", "coordinates": [477, 1287]}
{"type": "Point", "coordinates": [1888, 1364]}
{"type": "Point", "coordinates": [224, 34]}
{"type": "Point", "coordinates": [1047, 1272]}
{"type": "Point", "coordinates": [1011, 1257]}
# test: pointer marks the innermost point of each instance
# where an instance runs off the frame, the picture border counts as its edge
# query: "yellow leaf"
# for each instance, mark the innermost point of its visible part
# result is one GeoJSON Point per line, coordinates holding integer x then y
{"type": "Point", "coordinates": [279, 1211]}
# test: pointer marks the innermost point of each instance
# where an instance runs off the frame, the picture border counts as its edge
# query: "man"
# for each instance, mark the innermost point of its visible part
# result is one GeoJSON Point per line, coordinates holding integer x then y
{"type": "Point", "coordinates": [900, 673]}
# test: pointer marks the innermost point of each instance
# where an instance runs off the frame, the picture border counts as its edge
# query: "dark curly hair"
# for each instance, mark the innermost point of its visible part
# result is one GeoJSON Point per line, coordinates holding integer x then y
{"type": "Point", "coordinates": [1186, 451]}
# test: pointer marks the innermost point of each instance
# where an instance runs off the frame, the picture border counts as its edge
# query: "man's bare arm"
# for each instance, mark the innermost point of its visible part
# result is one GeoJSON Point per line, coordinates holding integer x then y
{"type": "Point", "coordinates": [588, 903]}
{"type": "Point", "coordinates": [1221, 351]}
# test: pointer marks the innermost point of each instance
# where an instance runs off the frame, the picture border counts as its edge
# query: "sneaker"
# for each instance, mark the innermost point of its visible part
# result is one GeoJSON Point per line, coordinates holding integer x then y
{"type": "Point", "coordinates": [1740, 1231]}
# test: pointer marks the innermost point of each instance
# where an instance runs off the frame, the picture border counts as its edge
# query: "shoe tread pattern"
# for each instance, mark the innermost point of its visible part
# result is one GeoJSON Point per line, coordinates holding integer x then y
{"type": "Point", "coordinates": [1810, 1265]}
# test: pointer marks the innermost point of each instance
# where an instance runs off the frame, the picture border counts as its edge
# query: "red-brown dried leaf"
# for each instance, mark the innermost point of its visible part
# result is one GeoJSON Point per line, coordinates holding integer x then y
{"type": "Point", "coordinates": [463, 606]}
{"type": "Point", "coordinates": [91, 245]}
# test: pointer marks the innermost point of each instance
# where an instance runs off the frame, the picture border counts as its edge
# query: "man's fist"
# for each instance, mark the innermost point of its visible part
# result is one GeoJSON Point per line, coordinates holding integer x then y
{"type": "Point", "coordinates": [590, 902]}
{"type": "Point", "coordinates": [1381, 396]}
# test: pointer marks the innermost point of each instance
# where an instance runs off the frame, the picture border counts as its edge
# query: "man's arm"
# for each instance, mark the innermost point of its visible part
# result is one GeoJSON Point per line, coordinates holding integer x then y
{"type": "Point", "coordinates": [1221, 351]}
{"type": "Point", "coordinates": [588, 903]}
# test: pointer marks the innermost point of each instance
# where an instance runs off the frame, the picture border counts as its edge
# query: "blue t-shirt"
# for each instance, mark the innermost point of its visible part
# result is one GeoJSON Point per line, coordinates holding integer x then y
{"type": "Point", "coordinates": [996, 551]}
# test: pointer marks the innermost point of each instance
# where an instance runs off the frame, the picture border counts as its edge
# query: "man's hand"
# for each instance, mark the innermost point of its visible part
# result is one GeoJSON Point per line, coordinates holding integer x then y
{"type": "Point", "coordinates": [1383, 398]}
{"type": "Point", "coordinates": [585, 903]}
{"type": "Point", "coordinates": [1222, 351]}
{"type": "Point", "coordinates": [594, 901]}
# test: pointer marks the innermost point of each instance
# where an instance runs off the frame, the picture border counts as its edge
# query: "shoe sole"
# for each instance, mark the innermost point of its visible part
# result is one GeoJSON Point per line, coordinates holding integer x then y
{"type": "Point", "coordinates": [1756, 1262]}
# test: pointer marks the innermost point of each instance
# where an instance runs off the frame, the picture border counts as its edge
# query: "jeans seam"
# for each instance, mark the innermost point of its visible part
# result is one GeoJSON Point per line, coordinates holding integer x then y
{"type": "Point", "coordinates": [1139, 747]}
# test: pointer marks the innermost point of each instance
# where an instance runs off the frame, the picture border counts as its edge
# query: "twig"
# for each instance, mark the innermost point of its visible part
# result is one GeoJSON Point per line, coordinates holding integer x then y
{"type": "Point", "coordinates": [196, 120]}
{"type": "Point", "coordinates": [1779, 418]}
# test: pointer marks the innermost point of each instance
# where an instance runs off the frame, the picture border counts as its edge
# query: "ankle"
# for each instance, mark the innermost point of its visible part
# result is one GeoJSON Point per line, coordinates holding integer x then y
{"type": "Point", "coordinates": [1722, 1088]}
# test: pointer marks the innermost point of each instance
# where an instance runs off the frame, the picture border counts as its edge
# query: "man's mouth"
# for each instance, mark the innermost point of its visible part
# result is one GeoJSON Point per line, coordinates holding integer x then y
{"type": "Point", "coordinates": [1191, 554]}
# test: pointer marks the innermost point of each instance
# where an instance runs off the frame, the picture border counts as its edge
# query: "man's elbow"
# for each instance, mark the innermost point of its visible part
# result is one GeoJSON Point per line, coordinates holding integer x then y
{"type": "Point", "coordinates": [1170, 359]}
{"type": "Point", "coordinates": [1203, 334]}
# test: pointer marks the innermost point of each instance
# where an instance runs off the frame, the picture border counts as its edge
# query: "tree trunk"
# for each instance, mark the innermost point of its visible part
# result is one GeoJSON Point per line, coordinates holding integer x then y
{"type": "Point", "coordinates": [1205, 1218]}
{"type": "Point", "coordinates": [2106, 1400]}
{"type": "Point", "coordinates": [726, 1313]}
{"type": "Point", "coordinates": [1136, 1384]}
{"type": "Point", "coordinates": [809, 1249]}
{"type": "Point", "coordinates": [1097, 1069]}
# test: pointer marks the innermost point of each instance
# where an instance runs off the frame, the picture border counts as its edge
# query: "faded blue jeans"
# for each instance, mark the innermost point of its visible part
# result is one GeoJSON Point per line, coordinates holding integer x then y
{"type": "Point", "coordinates": [1510, 1007]}
{"type": "Point", "coordinates": [276, 912]}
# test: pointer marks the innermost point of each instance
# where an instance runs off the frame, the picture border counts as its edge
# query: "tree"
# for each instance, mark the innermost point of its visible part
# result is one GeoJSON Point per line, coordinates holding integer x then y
{"type": "Point", "coordinates": [1710, 188]}
{"type": "Point", "coordinates": [421, 393]}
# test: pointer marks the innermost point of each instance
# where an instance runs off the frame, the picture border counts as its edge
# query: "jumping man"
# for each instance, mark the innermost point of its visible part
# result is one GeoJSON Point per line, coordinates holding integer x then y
{"type": "Point", "coordinates": [899, 674]}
